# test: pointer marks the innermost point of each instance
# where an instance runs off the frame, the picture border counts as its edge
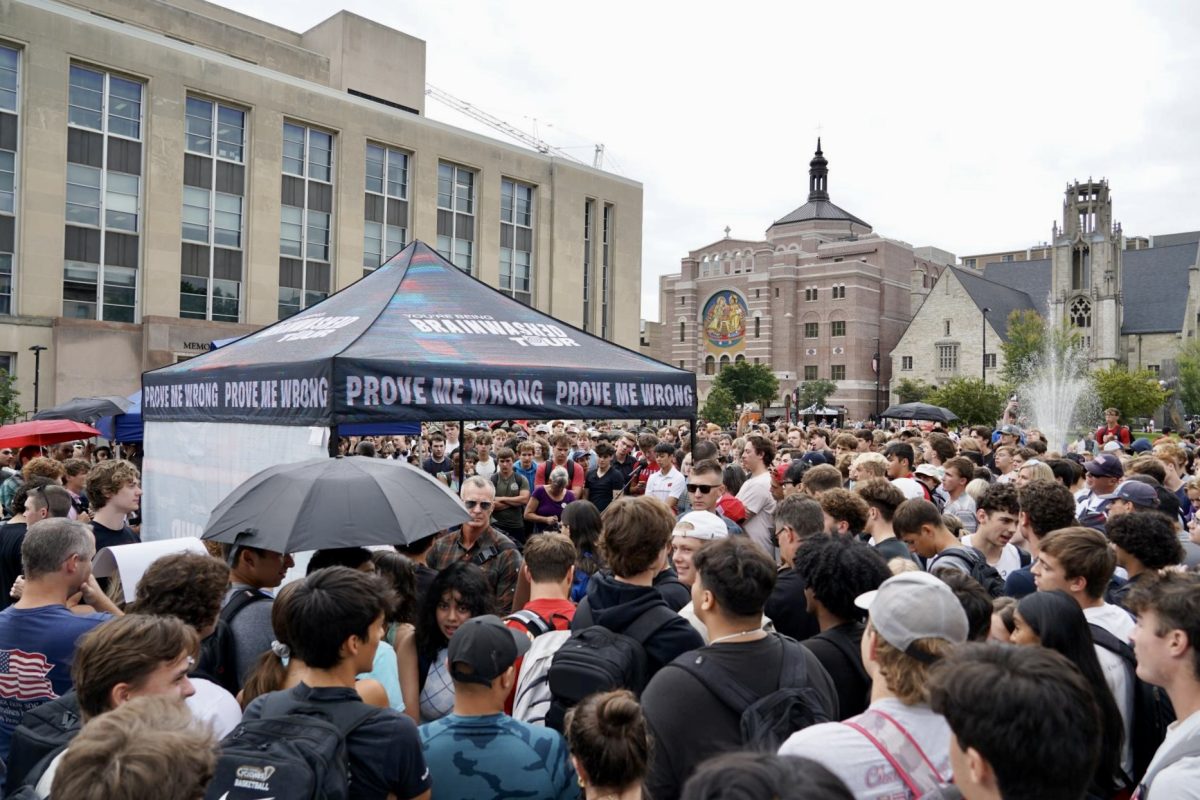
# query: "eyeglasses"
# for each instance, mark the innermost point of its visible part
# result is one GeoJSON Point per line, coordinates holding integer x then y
{"type": "Point", "coordinates": [700, 487]}
{"type": "Point", "coordinates": [485, 505]}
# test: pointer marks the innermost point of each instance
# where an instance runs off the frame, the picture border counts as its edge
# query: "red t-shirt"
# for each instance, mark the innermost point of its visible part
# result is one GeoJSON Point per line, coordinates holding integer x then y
{"type": "Point", "coordinates": [558, 613]}
{"type": "Point", "coordinates": [1121, 432]}
{"type": "Point", "coordinates": [576, 475]}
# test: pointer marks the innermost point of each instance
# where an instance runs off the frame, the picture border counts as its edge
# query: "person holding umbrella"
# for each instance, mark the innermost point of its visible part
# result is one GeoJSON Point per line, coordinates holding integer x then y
{"type": "Point", "coordinates": [481, 544]}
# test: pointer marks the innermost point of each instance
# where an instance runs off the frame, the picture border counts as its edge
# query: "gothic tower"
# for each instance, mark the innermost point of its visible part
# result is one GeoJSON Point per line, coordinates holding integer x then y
{"type": "Point", "coordinates": [1085, 289]}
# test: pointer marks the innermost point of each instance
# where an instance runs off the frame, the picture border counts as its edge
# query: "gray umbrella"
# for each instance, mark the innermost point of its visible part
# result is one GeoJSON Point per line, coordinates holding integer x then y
{"type": "Point", "coordinates": [919, 411]}
{"type": "Point", "coordinates": [86, 409]}
{"type": "Point", "coordinates": [335, 502]}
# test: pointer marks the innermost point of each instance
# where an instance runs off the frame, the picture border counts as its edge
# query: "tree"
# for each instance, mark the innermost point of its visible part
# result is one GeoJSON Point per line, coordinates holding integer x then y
{"type": "Point", "coordinates": [9, 407]}
{"type": "Point", "coordinates": [1188, 365]}
{"type": "Point", "coordinates": [1026, 336]}
{"type": "Point", "coordinates": [814, 393]}
{"type": "Point", "coordinates": [912, 390]}
{"type": "Point", "coordinates": [749, 383]}
{"type": "Point", "coordinates": [719, 407]}
{"type": "Point", "coordinates": [975, 402]}
{"type": "Point", "coordinates": [1134, 393]}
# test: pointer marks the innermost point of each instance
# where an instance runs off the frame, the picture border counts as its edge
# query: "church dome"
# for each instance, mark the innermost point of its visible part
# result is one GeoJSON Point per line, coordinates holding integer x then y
{"type": "Point", "coordinates": [819, 207]}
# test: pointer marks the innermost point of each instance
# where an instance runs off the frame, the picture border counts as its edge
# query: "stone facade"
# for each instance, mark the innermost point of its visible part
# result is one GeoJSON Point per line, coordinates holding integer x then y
{"type": "Point", "coordinates": [59, 236]}
{"type": "Point", "coordinates": [814, 300]}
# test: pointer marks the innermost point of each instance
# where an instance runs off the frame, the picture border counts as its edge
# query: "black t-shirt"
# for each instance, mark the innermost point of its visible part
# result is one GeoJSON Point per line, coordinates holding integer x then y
{"type": "Point", "coordinates": [849, 678]}
{"type": "Point", "coordinates": [385, 752]}
{"type": "Point", "coordinates": [109, 537]}
{"type": "Point", "coordinates": [787, 607]}
{"type": "Point", "coordinates": [601, 488]}
{"type": "Point", "coordinates": [682, 740]}
{"type": "Point", "coordinates": [12, 534]}
{"type": "Point", "coordinates": [892, 548]}
{"type": "Point", "coordinates": [435, 468]}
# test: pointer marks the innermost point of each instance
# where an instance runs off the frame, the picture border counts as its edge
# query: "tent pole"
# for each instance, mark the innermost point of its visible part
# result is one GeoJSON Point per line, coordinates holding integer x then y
{"type": "Point", "coordinates": [692, 423]}
{"type": "Point", "coordinates": [462, 454]}
{"type": "Point", "coordinates": [334, 442]}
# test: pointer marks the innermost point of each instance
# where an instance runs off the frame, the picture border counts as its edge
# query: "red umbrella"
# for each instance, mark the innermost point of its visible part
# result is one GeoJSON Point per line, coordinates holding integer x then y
{"type": "Point", "coordinates": [44, 432]}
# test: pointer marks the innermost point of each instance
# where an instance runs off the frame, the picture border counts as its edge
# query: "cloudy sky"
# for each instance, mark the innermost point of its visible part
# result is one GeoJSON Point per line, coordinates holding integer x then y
{"type": "Point", "coordinates": [944, 124]}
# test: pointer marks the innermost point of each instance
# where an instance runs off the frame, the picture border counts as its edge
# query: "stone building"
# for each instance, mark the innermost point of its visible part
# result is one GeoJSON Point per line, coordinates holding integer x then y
{"type": "Point", "coordinates": [1133, 300]}
{"type": "Point", "coordinates": [173, 172]}
{"type": "Point", "coordinates": [814, 299]}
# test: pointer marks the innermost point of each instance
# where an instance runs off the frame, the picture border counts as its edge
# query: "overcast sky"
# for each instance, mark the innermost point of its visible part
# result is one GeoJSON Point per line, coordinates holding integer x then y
{"type": "Point", "coordinates": [945, 124]}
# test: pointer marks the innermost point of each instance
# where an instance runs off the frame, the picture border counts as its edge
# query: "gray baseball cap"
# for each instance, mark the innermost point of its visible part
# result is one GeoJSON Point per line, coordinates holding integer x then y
{"type": "Point", "coordinates": [912, 606]}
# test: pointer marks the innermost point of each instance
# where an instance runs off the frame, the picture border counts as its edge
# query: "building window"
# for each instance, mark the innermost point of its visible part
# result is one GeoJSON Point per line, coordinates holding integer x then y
{"type": "Point", "coordinates": [810, 294]}
{"type": "Point", "coordinates": [810, 372]}
{"type": "Point", "coordinates": [777, 292]}
{"type": "Point", "coordinates": [516, 240]}
{"type": "Point", "coordinates": [10, 65]}
{"type": "Point", "coordinates": [757, 327]}
{"type": "Point", "coordinates": [837, 372]}
{"type": "Point", "coordinates": [1081, 313]}
{"type": "Point", "coordinates": [710, 365]}
{"type": "Point", "coordinates": [757, 294]}
{"type": "Point", "coordinates": [456, 215]}
{"type": "Point", "coordinates": [811, 330]}
{"type": "Point", "coordinates": [385, 224]}
{"type": "Point", "coordinates": [104, 188]}
{"type": "Point", "coordinates": [1153, 368]}
{"type": "Point", "coordinates": [1081, 269]}
{"type": "Point", "coordinates": [837, 328]}
{"type": "Point", "coordinates": [682, 300]}
{"type": "Point", "coordinates": [740, 358]}
{"type": "Point", "coordinates": [683, 331]}
{"type": "Point", "coordinates": [681, 364]}
{"type": "Point", "coordinates": [989, 360]}
{"type": "Point", "coordinates": [839, 292]}
{"type": "Point", "coordinates": [8, 363]}
{"type": "Point", "coordinates": [589, 220]}
{"type": "Point", "coordinates": [906, 363]}
{"type": "Point", "coordinates": [946, 331]}
{"type": "Point", "coordinates": [214, 188]}
{"type": "Point", "coordinates": [947, 357]}
{"type": "Point", "coordinates": [606, 269]}
{"type": "Point", "coordinates": [1007, 258]}
{"type": "Point", "coordinates": [724, 362]}
{"type": "Point", "coordinates": [306, 218]}
{"type": "Point", "coordinates": [969, 263]}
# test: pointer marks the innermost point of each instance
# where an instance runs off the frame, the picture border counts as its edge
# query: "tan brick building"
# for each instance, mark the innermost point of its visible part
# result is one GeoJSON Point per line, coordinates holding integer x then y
{"type": "Point", "coordinates": [172, 172]}
{"type": "Point", "coordinates": [813, 299]}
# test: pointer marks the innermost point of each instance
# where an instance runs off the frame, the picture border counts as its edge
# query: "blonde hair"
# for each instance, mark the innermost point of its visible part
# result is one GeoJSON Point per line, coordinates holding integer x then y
{"type": "Point", "coordinates": [905, 676]}
{"type": "Point", "coordinates": [898, 565]}
{"type": "Point", "coordinates": [874, 463]}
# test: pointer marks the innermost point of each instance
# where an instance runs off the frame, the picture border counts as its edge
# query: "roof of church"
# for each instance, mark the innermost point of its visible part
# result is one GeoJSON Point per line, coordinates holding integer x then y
{"type": "Point", "coordinates": [1169, 239]}
{"type": "Point", "coordinates": [818, 209]}
{"type": "Point", "coordinates": [1154, 288]}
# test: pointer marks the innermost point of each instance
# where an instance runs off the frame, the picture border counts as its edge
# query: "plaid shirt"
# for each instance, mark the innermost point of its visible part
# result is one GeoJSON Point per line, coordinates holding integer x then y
{"type": "Point", "coordinates": [503, 562]}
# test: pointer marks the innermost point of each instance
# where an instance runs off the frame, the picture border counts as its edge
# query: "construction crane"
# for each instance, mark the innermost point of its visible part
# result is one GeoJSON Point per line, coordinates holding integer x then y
{"type": "Point", "coordinates": [496, 123]}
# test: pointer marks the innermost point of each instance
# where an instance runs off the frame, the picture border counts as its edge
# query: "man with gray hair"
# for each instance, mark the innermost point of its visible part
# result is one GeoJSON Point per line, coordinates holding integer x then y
{"type": "Point", "coordinates": [481, 544]}
{"type": "Point", "coordinates": [798, 519]}
{"type": "Point", "coordinates": [39, 631]}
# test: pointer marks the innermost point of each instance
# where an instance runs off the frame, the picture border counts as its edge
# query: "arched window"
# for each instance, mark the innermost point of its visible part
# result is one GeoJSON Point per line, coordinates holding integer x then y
{"type": "Point", "coordinates": [710, 365]}
{"type": "Point", "coordinates": [740, 358]}
{"type": "Point", "coordinates": [1081, 313]}
{"type": "Point", "coordinates": [724, 361]}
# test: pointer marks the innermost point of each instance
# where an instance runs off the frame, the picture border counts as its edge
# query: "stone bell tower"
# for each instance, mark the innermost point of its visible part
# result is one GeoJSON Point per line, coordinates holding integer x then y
{"type": "Point", "coordinates": [1085, 289]}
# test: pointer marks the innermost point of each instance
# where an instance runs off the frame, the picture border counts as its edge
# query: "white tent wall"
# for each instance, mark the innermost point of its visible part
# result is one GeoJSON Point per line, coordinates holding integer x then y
{"type": "Point", "coordinates": [189, 467]}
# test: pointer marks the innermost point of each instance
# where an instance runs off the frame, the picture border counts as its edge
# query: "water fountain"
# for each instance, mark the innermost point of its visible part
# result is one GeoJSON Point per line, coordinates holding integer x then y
{"type": "Point", "coordinates": [1055, 395]}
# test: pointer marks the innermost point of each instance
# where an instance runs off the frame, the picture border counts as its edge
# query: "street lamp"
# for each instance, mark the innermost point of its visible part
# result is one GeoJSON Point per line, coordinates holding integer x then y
{"type": "Point", "coordinates": [37, 371]}
{"type": "Point", "coordinates": [984, 367]}
{"type": "Point", "coordinates": [878, 372]}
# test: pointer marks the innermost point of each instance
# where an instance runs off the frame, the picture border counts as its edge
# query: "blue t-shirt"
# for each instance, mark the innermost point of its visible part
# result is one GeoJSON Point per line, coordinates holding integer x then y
{"type": "Point", "coordinates": [37, 646]}
{"type": "Point", "coordinates": [497, 756]}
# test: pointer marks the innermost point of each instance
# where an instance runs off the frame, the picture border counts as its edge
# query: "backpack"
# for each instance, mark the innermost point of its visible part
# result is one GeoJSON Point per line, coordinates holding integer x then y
{"type": "Point", "coordinates": [767, 721]}
{"type": "Point", "coordinates": [44, 731]}
{"type": "Point", "coordinates": [1152, 709]}
{"type": "Point", "coordinates": [977, 567]}
{"type": "Point", "coordinates": [218, 654]}
{"type": "Point", "coordinates": [532, 698]}
{"type": "Point", "coordinates": [596, 659]}
{"type": "Point", "coordinates": [296, 749]}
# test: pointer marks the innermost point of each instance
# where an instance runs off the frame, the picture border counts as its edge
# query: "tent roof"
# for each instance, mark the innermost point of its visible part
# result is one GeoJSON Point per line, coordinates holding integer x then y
{"type": "Point", "coordinates": [417, 339]}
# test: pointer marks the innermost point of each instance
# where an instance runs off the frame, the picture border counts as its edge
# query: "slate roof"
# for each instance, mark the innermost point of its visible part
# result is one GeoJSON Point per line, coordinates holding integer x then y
{"type": "Point", "coordinates": [1167, 240]}
{"type": "Point", "coordinates": [1155, 288]}
{"type": "Point", "coordinates": [819, 209]}
{"type": "Point", "coordinates": [1001, 300]}
{"type": "Point", "coordinates": [1031, 277]}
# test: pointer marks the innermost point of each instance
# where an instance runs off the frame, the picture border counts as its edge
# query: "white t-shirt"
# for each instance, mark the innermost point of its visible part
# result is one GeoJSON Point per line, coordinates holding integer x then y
{"type": "Point", "coordinates": [1181, 780]}
{"type": "Point", "coordinates": [673, 484]}
{"type": "Point", "coordinates": [755, 495]}
{"type": "Point", "coordinates": [1010, 557]}
{"type": "Point", "coordinates": [910, 487]}
{"type": "Point", "coordinates": [485, 469]}
{"type": "Point", "coordinates": [860, 765]}
{"type": "Point", "coordinates": [213, 703]}
{"type": "Point", "coordinates": [1116, 621]}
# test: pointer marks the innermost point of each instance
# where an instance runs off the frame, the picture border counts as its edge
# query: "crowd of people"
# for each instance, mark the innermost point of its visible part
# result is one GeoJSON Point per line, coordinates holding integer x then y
{"type": "Point", "coordinates": [778, 611]}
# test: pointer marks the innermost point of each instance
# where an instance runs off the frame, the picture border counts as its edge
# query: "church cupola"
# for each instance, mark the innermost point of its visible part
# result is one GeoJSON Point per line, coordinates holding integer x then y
{"type": "Point", "coordinates": [818, 176]}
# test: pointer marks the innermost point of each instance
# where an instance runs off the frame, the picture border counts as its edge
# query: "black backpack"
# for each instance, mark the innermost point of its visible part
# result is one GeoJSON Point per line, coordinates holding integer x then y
{"type": "Point", "coordinates": [218, 655]}
{"type": "Point", "coordinates": [596, 659]}
{"type": "Point", "coordinates": [977, 567]}
{"type": "Point", "coordinates": [296, 749]}
{"type": "Point", "coordinates": [766, 721]}
{"type": "Point", "coordinates": [44, 731]}
{"type": "Point", "coordinates": [1152, 709]}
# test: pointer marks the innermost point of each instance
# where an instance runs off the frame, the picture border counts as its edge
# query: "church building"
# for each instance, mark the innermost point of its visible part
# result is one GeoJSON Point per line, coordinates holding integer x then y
{"type": "Point", "coordinates": [1133, 300]}
{"type": "Point", "coordinates": [818, 298]}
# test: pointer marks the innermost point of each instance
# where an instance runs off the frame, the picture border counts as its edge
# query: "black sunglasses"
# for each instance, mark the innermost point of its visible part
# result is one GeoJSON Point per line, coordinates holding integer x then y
{"type": "Point", "coordinates": [486, 505]}
{"type": "Point", "coordinates": [702, 488]}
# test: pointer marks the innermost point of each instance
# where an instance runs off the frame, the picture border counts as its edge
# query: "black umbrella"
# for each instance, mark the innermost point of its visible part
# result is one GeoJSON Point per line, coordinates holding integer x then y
{"type": "Point", "coordinates": [335, 502]}
{"type": "Point", "coordinates": [86, 409]}
{"type": "Point", "coordinates": [919, 411]}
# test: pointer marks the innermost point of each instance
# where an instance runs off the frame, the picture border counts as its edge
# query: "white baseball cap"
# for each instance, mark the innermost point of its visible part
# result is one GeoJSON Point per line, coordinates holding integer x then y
{"type": "Point", "coordinates": [701, 525]}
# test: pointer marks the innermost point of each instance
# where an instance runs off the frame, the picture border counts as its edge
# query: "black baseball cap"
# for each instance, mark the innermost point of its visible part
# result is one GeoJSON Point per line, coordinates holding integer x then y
{"type": "Point", "coordinates": [487, 646]}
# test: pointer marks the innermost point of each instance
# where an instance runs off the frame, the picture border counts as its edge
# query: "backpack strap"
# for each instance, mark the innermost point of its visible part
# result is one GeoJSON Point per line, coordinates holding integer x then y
{"type": "Point", "coordinates": [841, 641]}
{"type": "Point", "coordinates": [1103, 637]}
{"type": "Point", "coordinates": [239, 602]}
{"type": "Point", "coordinates": [720, 682]}
{"type": "Point", "coordinates": [899, 748]}
{"type": "Point", "coordinates": [583, 616]}
{"type": "Point", "coordinates": [962, 553]}
{"type": "Point", "coordinates": [1025, 558]}
{"type": "Point", "coordinates": [649, 622]}
{"type": "Point", "coordinates": [534, 623]}
{"type": "Point", "coordinates": [345, 715]}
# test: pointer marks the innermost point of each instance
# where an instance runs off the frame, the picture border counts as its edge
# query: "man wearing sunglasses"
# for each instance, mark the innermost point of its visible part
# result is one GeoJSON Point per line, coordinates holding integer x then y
{"type": "Point", "coordinates": [481, 544]}
{"type": "Point", "coordinates": [705, 489]}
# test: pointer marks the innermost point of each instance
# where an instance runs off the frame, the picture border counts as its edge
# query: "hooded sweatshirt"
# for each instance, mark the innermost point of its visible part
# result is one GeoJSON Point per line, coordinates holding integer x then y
{"type": "Point", "coordinates": [616, 605]}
